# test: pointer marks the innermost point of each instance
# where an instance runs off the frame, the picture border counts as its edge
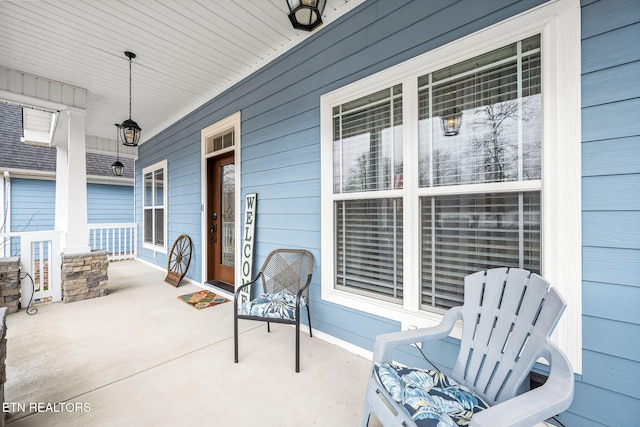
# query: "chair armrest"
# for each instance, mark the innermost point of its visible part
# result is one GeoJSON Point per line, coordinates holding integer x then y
{"type": "Point", "coordinates": [239, 288]}
{"type": "Point", "coordinates": [553, 397]}
{"type": "Point", "coordinates": [385, 344]}
{"type": "Point", "coordinates": [302, 289]}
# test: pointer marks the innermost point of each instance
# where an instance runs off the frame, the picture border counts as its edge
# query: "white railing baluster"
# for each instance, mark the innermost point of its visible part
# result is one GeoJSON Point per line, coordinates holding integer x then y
{"type": "Point", "coordinates": [118, 239]}
{"type": "Point", "coordinates": [40, 257]}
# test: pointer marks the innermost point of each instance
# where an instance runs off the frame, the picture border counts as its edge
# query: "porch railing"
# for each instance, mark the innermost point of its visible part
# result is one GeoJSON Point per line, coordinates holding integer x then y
{"type": "Point", "coordinates": [120, 240]}
{"type": "Point", "coordinates": [40, 257]}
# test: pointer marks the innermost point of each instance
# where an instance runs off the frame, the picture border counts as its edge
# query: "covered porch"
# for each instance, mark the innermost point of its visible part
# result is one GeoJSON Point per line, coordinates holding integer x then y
{"type": "Point", "coordinates": [141, 357]}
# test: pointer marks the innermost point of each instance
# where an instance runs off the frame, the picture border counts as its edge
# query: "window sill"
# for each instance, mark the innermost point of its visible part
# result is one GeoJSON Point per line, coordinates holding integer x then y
{"type": "Point", "coordinates": [162, 250]}
{"type": "Point", "coordinates": [408, 319]}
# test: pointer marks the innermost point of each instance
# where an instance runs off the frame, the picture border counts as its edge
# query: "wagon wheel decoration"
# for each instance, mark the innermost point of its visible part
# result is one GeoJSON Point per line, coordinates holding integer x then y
{"type": "Point", "coordinates": [179, 259]}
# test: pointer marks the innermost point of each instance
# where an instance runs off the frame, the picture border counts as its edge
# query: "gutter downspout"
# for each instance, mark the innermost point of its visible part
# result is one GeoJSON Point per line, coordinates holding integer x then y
{"type": "Point", "coordinates": [5, 218]}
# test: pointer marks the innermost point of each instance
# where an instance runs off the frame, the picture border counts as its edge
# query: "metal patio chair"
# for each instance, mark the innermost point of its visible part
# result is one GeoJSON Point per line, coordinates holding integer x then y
{"type": "Point", "coordinates": [285, 277]}
{"type": "Point", "coordinates": [508, 316]}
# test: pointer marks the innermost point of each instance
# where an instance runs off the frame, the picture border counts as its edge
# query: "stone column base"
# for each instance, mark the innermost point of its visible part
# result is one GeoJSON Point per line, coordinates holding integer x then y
{"type": "Point", "coordinates": [84, 276]}
{"type": "Point", "coordinates": [10, 283]}
{"type": "Point", "coordinates": [3, 356]}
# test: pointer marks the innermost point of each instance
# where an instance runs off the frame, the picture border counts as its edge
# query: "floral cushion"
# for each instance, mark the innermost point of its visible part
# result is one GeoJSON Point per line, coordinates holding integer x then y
{"type": "Point", "coordinates": [281, 305]}
{"type": "Point", "coordinates": [432, 398]}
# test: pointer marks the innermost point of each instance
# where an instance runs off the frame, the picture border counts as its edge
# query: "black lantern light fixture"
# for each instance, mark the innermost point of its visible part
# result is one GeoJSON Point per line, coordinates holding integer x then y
{"type": "Point", "coordinates": [451, 117]}
{"type": "Point", "coordinates": [306, 14]}
{"type": "Point", "coordinates": [117, 167]}
{"type": "Point", "coordinates": [130, 131]}
{"type": "Point", "coordinates": [450, 121]}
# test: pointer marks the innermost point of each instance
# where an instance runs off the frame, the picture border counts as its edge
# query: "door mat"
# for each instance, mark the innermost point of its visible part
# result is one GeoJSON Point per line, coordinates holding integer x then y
{"type": "Point", "coordinates": [202, 299]}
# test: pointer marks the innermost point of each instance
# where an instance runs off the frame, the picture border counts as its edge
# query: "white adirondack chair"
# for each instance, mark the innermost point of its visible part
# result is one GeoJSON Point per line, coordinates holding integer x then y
{"type": "Point", "coordinates": [508, 316]}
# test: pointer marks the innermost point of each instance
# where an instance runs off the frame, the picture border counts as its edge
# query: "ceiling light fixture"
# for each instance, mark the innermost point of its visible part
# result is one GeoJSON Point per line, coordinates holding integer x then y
{"type": "Point", "coordinates": [117, 167]}
{"type": "Point", "coordinates": [130, 131]}
{"type": "Point", "coordinates": [451, 117]}
{"type": "Point", "coordinates": [306, 14]}
{"type": "Point", "coordinates": [451, 121]}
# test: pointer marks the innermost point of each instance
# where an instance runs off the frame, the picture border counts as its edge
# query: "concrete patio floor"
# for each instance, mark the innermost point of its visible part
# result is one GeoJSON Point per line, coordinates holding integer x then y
{"type": "Point", "coordinates": [141, 357]}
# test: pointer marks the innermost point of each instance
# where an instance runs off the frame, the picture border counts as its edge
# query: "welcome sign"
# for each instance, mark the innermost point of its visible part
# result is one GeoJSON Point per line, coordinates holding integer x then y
{"type": "Point", "coordinates": [248, 243]}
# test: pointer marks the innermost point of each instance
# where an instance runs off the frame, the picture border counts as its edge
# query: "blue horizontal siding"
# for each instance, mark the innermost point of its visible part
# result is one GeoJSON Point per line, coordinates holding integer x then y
{"type": "Point", "coordinates": [612, 373]}
{"type": "Point", "coordinates": [611, 337]}
{"type": "Point", "coordinates": [301, 189]}
{"type": "Point", "coordinates": [603, 16]}
{"type": "Point", "coordinates": [285, 206]}
{"type": "Point", "coordinates": [109, 203]}
{"type": "Point", "coordinates": [568, 419]}
{"type": "Point", "coordinates": [274, 161]}
{"type": "Point", "coordinates": [183, 195]}
{"type": "Point", "coordinates": [611, 48]}
{"type": "Point", "coordinates": [611, 301]}
{"type": "Point", "coordinates": [611, 85]}
{"type": "Point", "coordinates": [593, 405]}
{"type": "Point", "coordinates": [609, 265]}
{"type": "Point", "coordinates": [294, 222]}
{"type": "Point", "coordinates": [612, 157]}
{"type": "Point", "coordinates": [611, 229]}
{"type": "Point", "coordinates": [608, 121]}
{"type": "Point", "coordinates": [281, 174]}
{"type": "Point", "coordinates": [289, 238]}
{"type": "Point", "coordinates": [611, 193]}
{"type": "Point", "coordinates": [33, 204]}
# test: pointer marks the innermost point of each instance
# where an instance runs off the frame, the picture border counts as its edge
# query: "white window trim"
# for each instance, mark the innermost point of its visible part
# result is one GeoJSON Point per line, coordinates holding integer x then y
{"type": "Point", "coordinates": [558, 22]}
{"type": "Point", "coordinates": [160, 165]}
{"type": "Point", "coordinates": [231, 122]}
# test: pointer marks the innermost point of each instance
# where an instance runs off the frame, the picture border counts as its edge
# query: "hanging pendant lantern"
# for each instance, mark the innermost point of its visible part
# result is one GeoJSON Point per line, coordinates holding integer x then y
{"type": "Point", "coordinates": [117, 167]}
{"type": "Point", "coordinates": [129, 130]}
{"type": "Point", "coordinates": [306, 14]}
{"type": "Point", "coordinates": [451, 121]}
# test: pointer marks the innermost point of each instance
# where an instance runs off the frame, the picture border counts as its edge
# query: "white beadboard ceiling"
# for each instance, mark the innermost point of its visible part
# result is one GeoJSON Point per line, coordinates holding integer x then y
{"type": "Point", "coordinates": [187, 51]}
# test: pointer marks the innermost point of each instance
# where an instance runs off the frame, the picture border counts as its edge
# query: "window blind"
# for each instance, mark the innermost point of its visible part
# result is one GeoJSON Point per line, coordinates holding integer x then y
{"type": "Point", "coordinates": [369, 235]}
{"type": "Point", "coordinates": [463, 234]}
{"type": "Point", "coordinates": [367, 143]}
{"type": "Point", "coordinates": [498, 95]}
{"type": "Point", "coordinates": [153, 207]}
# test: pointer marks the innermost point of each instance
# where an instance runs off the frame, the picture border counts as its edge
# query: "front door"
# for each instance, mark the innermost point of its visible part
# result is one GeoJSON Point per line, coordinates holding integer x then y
{"type": "Point", "coordinates": [221, 221]}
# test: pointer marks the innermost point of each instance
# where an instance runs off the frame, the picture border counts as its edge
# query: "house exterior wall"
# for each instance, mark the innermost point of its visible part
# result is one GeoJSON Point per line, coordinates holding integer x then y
{"type": "Point", "coordinates": [611, 215]}
{"type": "Point", "coordinates": [33, 204]}
{"type": "Point", "coordinates": [280, 161]}
{"type": "Point", "coordinates": [109, 203]}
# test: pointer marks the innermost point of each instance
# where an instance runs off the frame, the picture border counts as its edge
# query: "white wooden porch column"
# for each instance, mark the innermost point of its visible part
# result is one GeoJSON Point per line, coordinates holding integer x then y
{"type": "Point", "coordinates": [62, 180]}
{"type": "Point", "coordinates": [71, 185]}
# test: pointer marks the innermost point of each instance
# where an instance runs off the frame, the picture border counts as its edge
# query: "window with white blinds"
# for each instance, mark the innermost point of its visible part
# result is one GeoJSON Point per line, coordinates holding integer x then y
{"type": "Point", "coordinates": [463, 158]}
{"type": "Point", "coordinates": [367, 159]}
{"type": "Point", "coordinates": [154, 182]}
{"type": "Point", "coordinates": [472, 214]}
{"type": "Point", "coordinates": [488, 222]}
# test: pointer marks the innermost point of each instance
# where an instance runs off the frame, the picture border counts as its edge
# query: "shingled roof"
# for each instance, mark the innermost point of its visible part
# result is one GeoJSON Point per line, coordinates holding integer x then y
{"type": "Point", "coordinates": [16, 155]}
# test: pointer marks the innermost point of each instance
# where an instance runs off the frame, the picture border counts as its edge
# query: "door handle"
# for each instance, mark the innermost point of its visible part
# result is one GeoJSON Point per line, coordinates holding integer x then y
{"type": "Point", "coordinates": [214, 228]}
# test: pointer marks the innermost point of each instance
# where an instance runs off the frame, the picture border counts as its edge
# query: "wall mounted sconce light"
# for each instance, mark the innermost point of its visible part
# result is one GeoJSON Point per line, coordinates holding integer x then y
{"type": "Point", "coordinates": [306, 14]}
{"type": "Point", "coordinates": [130, 131]}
